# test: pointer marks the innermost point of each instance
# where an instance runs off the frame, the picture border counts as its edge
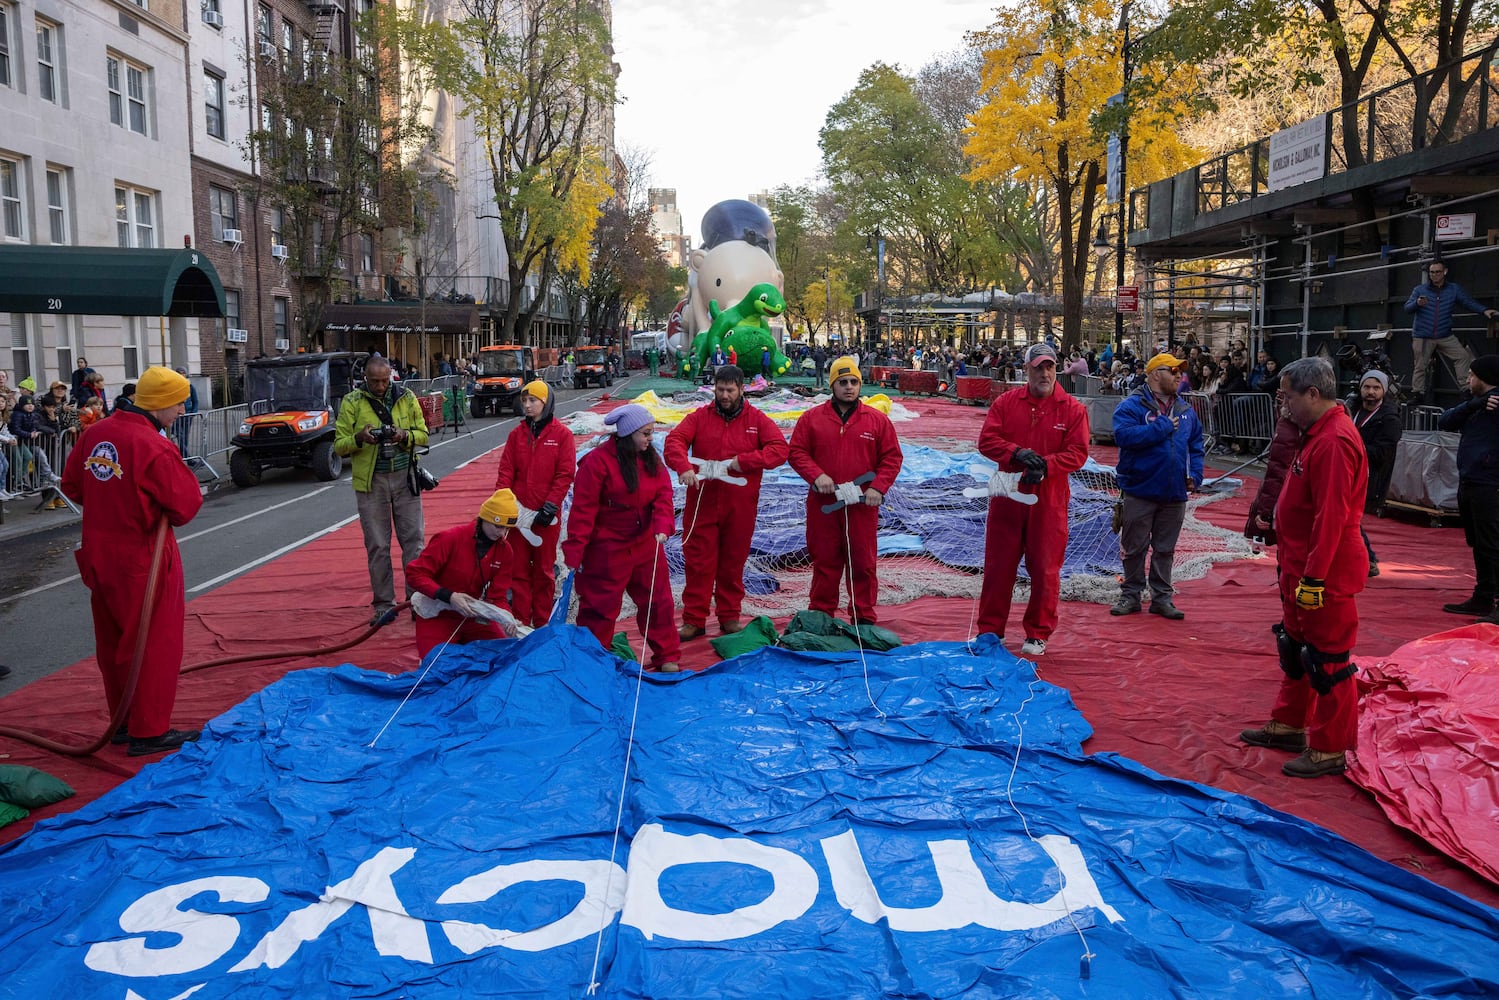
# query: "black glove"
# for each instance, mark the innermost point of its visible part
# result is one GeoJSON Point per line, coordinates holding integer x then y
{"type": "Point", "coordinates": [545, 515]}
{"type": "Point", "coordinates": [1034, 465]}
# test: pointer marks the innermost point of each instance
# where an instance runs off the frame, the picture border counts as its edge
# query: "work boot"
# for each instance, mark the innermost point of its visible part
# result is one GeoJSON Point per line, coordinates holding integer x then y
{"type": "Point", "coordinates": [1162, 606]}
{"type": "Point", "coordinates": [1276, 736]}
{"type": "Point", "coordinates": [1315, 764]}
{"type": "Point", "coordinates": [1125, 606]}
{"type": "Point", "coordinates": [690, 631]}
{"type": "Point", "coordinates": [729, 628]}
{"type": "Point", "coordinates": [121, 737]}
{"type": "Point", "coordinates": [670, 667]}
{"type": "Point", "coordinates": [1373, 567]}
{"type": "Point", "coordinates": [1478, 605]}
{"type": "Point", "coordinates": [1492, 618]}
{"type": "Point", "coordinates": [169, 740]}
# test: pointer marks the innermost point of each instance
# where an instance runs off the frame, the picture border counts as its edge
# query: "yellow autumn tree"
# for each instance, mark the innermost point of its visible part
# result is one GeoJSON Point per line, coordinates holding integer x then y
{"type": "Point", "coordinates": [1050, 67]}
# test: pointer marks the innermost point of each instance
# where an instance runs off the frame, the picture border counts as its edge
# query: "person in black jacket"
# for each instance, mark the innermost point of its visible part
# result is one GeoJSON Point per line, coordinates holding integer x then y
{"type": "Point", "coordinates": [1378, 421]}
{"type": "Point", "coordinates": [1478, 483]}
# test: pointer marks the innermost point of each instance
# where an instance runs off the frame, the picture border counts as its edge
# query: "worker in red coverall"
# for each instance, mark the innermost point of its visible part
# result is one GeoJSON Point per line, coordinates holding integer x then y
{"type": "Point", "coordinates": [727, 438]}
{"type": "Point", "coordinates": [128, 476]}
{"type": "Point", "coordinates": [1323, 566]}
{"type": "Point", "coordinates": [831, 446]}
{"type": "Point", "coordinates": [538, 462]}
{"type": "Point", "coordinates": [621, 516]}
{"type": "Point", "coordinates": [460, 566]}
{"type": "Point", "coordinates": [1041, 431]}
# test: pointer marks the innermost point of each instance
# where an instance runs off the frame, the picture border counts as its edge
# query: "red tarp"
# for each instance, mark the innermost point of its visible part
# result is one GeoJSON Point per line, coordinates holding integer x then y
{"type": "Point", "coordinates": [1172, 695]}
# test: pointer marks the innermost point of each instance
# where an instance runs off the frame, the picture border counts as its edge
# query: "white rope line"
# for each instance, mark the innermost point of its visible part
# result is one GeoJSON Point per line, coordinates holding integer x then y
{"type": "Point", "coordinates": [658, 556]}
{"type": "Point", "coordinates": [430, 664]}
{"type": "Point", "coordinates": [853, 604]}
{"type": "Point", "coordinates": [696, 506]}
{"type": "Point", "coordinates": [1087, 955]}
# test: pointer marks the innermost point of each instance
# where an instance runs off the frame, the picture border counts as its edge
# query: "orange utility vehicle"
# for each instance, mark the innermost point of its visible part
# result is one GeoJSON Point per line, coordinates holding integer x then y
{"type": "Point", "coordinates": [503, 370]}
{"type": "Point", "coordinates": [293, 409]}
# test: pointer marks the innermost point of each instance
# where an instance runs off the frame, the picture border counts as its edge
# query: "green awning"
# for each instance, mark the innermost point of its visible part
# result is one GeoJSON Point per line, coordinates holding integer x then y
{"type": "Point", "coordinates": [109, 281]}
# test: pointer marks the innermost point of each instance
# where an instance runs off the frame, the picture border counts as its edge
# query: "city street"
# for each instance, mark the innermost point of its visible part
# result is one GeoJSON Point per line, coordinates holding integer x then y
{"type": "Point", "coordinates": [44, 608]}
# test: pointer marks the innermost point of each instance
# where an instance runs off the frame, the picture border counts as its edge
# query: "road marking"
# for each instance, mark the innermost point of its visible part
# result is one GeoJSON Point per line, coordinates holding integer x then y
{"type": "Point", "coordinates": [273, 555]}
{"type": "Point", "coordinates": [257, 513]}
{"type": "Point", "coordinates": [37, 590]}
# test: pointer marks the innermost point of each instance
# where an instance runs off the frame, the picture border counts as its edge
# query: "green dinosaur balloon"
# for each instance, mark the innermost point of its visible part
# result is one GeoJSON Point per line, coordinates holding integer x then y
{"type": "Point", "coordinates": [748, 314]}
{"type": "Point", "coordinates": [749, 344]}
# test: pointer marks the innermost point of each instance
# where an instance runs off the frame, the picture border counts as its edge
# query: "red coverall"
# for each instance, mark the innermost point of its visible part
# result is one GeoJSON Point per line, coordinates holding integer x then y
{"type": "Point", "coordinates": [450, 563]}
{"type": "Point", "coordinates": [611, 541]}
{"type": "Point", "coordinates": [1056, 428]}
{"type": "Point", "coordinates": [128, 476]}
{"type": "Point", "coordinates": [1316, 524]}
{"type": "Point", "coordinates": [718, 521]}
{"type": "Point", "coordinates": [845, 541]}
{"type": "Point", "coordinates": [538, 468]}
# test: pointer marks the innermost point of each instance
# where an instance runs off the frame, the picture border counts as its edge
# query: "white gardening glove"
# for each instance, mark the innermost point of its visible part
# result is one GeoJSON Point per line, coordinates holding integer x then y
{"type": "Point", "coordinates": [1000, 484]}
{"type": "Point", "coordinates": [850, 493]}
{"type": "Point", "coordinates": [524, 520]}
{"type": "Point", "coordinates": [465, 605]}
{"type": "Point", "coordinates": [426, 607]}
{"type": "Point", "coordinates": [709, 468]}
{"type": "Point", "coordinates": [494, 613]}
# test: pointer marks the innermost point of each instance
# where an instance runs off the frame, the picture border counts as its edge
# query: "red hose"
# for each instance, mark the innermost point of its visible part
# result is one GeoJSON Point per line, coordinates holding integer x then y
{"type": "Point", "coordinates": [148, 605]}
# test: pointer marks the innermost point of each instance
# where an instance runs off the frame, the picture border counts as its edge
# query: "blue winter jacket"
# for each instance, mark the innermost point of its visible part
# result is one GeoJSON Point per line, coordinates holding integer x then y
{"type": "Point", "coordinates": [1155, 457]}
{"type": "Point", "coordinates": [1434, 319]}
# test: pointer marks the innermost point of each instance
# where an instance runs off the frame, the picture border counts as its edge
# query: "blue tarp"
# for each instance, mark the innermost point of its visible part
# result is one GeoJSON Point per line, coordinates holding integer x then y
{"type": "Point", "coordinates": [779, 837]}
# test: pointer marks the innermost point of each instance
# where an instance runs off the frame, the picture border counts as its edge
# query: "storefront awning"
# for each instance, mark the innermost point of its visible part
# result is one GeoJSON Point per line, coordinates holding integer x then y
{"type": "Point", "coordinates": [387, 318]}
{"type": "Point", "coordinates": [109, 281]}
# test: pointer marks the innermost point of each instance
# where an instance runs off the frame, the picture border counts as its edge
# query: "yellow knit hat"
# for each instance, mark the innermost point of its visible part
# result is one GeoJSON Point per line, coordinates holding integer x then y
{"type": "Point", "coordinates": [537, 388]}
{"type": "Point", "coordinates": [160, 388]}
{"type": "Point", "coordinates": [501, 509]}
{"type": "Point", "coordinates": [845, 367]}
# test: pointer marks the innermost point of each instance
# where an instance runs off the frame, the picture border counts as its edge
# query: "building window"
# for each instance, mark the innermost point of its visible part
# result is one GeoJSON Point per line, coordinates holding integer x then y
{"type": "Point", "coordinates": [223, 209]}
{"type": "Point", "coordinates": [213, 103]}
{"type": "Point", "coordinates": [57, 205]}
{"type": "Point", "coordinates": [135, 217]}
{"type": "Point", "coordinates": [12, 215]}
{"type": "Point", "coordinates": [5, 45]}
{"type": "Point", "coordinates": [263, 26]}
{"type": "Point", "coordinates": [231, 309]}
{"type": "Point", "coordinates": [127, 103]}
{"type": "Point", "coordinates": [135, 336]}
{"type": "Point", "coordinates": [288, 46]}
{"type": "Point", "coordinates": [278, 224]}
{"type": "Point", "coordinates": [46, 60]}
{"type": "Point", "coordinates": [283, 312]}
{"type": "Point", "coordinates": [309, 70]}
{"type": "Point", "coordinates": [366, 253]}
{"type": "Point", "coordinates": [210, 5]}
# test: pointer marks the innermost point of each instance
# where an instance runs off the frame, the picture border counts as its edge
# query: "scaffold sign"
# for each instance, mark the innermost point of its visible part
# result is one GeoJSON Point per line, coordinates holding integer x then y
{"type": "Point", "coordinates": [1127, 298]}
{"type": "Point", "coordinates": [1456, 227]}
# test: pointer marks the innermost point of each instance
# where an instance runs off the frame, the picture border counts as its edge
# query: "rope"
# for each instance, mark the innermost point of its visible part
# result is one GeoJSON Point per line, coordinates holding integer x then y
{"type": "Point", "coordinates": [853, 606]}
{"type": "Point", "coordinates": [657, 558]}
{"type": "Point", "coordinates": [1087, 955]}
{"type": "Point", "coordinates": [430, 664]}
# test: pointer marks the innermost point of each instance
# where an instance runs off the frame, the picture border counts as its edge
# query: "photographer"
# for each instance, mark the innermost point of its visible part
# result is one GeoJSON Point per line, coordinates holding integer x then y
{"type": "Point", "coordinates": [1478, 483]}
{"type": "Point", "coordinates": [381, 426]}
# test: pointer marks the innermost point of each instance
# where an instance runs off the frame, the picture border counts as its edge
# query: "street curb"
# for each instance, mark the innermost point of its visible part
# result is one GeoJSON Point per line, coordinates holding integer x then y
{"type": "Point", "coordinates": [21, 521]}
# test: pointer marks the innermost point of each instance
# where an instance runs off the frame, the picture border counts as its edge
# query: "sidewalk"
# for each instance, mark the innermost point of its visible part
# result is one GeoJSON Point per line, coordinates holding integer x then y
{"type": "Point", "coordinates": [26, 515]}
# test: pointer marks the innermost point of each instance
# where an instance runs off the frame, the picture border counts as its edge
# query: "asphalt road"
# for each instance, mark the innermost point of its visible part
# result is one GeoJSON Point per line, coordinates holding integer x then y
{"type": "Point", "coordinates": [44, 608]}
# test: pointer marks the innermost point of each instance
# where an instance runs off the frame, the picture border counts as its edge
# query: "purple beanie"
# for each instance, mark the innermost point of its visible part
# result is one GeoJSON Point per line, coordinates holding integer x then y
{"type": "Point", "coordinates": [629, 418]}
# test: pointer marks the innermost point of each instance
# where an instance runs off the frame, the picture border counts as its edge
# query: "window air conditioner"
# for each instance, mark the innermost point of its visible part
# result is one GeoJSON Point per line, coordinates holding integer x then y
{"type": "Point", "coordinates": [232, 236]}
{"type": "Point", "coordinates": [237, 336]}
{"type": "Point", "coordinates": [213, 19]}
{"type": "Point", "coordinates": [279, 252]}
{"type": "Point", "coordinates": [267, 50]}
{"type": "Point", "coordinates": [283, 345]}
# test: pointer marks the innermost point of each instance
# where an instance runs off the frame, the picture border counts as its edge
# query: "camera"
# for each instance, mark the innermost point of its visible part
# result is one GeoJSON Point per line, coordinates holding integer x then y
{"type": "Point", "coordinates": [1355, 359]}
{"type": "Point", "coordinates": [385, 433]}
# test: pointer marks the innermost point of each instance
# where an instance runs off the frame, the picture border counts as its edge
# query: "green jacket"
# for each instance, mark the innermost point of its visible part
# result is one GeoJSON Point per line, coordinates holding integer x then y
{"type": "Point", "coordinates": [355, 412]}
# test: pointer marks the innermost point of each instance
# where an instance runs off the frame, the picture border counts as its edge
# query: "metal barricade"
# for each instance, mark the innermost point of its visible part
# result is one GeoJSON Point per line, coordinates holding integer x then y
{"type": "Point", "coordinates": [1235, 418]}
{"type": "Point", "coordinates": [1421, 418]}
{"type": "Point", "coordinates": [34, 468]}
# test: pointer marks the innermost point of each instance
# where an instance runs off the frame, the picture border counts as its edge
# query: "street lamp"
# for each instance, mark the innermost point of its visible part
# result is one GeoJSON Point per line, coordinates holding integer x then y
{"type": "Point", "coordinates": [1121, 245]}
{"type": "Point", "coordinates": [877, 243]}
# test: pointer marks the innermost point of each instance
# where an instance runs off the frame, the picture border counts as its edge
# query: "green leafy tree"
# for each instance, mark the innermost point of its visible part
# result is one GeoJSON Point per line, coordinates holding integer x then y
{"type": "Point", "coordinates": [328, 148]}
{"type": "Point", "coordinates": [535, 77]}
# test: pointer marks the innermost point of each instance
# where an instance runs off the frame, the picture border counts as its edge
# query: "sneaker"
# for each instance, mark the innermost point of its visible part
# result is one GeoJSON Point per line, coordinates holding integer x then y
{"type": "Point", "coordinates": [689, 631]}
{"type": "Point", "coordinates": [1276, 736]}
{"type": "Point", "coordinates": [670, 667]}
{"type": "Point", "coordinates": [1474, 605]}
{"type": "Point", "coordinates": [1315, 764]}
{"type": "Point", "coordinates": [1162, 606]}
{"type": "Point", "coordinates": [1033, 647]}
{"type": "Point", "coordinates": [169, 740]}
{"type": "Point", "coordinates": [382, 616]}
{"type": "Point", "coordinates": [1125, 606]}
{"type": "Point", "coordinates": [729, 628]}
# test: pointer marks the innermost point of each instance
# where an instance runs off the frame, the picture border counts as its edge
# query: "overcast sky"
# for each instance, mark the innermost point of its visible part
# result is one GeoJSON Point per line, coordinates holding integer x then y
{"type": "Point", "coordinates": [728, 97]}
